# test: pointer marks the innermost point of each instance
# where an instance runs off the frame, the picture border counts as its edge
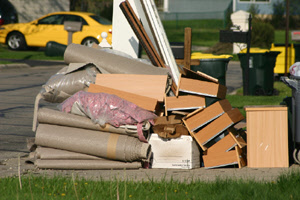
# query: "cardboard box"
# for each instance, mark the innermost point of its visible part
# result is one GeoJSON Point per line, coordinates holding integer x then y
{"type": "Point", "coordinates": [178, 153]}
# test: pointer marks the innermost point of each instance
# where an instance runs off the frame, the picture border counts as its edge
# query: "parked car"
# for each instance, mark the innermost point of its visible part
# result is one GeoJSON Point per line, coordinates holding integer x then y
{"type": "Point", "coordinates": [8, 13]}
{"type": "Point", "coordinates": [51, 28]}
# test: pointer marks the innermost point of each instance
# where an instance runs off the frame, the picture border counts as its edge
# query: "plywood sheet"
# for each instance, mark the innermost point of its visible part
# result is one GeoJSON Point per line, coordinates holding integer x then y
{"type": "Point", "coordinates": [267, 136]}
{"type": "Point", "coordinates": [201, 118]}
{"type": "Point", "coordinates": [204, 88]}
{"type": "Point", "coordinates": [152, 86]}
{"type": "Point", "coordinates": [224, 145]}
{"type": "Point", "coordinates": [216, 127]}
{"type": "Point", "coordinates": [141, 101]}
{"type": "Point", "coordinates": [220, 160]}
{"type": "Point", "coordinates": [184, 102]}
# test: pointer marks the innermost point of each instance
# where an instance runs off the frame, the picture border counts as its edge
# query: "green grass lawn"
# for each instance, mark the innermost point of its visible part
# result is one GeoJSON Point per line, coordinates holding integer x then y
{"type": "Point", "coordinates": [36, 187]}
{"type": "Point", "coordinates": [239, 101]}
{"type": "Point", "coordinates": [5, 53]}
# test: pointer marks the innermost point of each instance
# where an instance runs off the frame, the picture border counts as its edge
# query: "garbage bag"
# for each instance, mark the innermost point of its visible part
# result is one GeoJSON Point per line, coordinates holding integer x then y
{"type": "Point", "coordinates": [295, 69]}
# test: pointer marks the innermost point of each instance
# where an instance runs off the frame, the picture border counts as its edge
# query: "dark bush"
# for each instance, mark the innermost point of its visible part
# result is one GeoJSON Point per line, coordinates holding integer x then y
{"type": "Point", "coordinates": [262, 34]}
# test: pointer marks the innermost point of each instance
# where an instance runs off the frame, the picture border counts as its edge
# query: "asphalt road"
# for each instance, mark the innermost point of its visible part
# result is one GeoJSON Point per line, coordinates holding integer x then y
{"type": "Point", "coordinates": [19, 85]}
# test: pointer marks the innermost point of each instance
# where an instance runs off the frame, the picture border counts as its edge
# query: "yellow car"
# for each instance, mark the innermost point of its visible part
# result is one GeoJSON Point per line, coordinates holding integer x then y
{"type": "Point", "coordinates": [51, 28]}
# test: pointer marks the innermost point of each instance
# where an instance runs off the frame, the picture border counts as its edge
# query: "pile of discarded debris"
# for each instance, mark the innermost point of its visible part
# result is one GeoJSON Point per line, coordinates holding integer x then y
{"type": "Point", "coordinates": [117, 112]}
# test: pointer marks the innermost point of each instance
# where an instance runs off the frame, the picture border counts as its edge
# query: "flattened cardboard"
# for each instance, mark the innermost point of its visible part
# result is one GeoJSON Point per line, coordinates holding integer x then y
{"type": "Point", "coordinates": [216, 127]}
{"type": "Point", "coordinates": [267, 136]}
{"type": "Point", "coordinates": [152, 86]}
{"type": "Point", "coordinates": [203, 88]}
{"type": "Point", "coordinates": [187, 102]}
{"type": "Point", "coordinates": [141, 101]}
{"type": "Point", "coordinates": [202, 117]}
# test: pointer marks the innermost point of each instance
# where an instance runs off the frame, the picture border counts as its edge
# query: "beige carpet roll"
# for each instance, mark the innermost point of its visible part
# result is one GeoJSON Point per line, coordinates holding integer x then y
{"type": "Point", "coordinates": [116, 64]}
{"type": "Point", "coordinates": [46, 153]}
{"type": "Point", "coordinates": [103, 144]}
{"type": "Point", "coordinates": [86, 164]}
{"type": "Point", "coordinates": [55, 117]}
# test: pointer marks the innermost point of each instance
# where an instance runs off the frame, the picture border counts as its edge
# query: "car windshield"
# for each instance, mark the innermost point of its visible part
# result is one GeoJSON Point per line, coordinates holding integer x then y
{"type": "Point", "coordinates": [101, 20]}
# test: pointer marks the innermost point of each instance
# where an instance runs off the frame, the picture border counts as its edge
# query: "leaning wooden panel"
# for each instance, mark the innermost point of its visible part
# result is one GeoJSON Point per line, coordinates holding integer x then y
{"type": "Point", "coordinates": [203, 116]}
{"type": "Point", "coordinates": [188, 73]}
{"type": "Point", "coordinates": [267, 136]}
{"type": "Point", "coordinates": [220, 160]}
{"type": "Point", "coordinates": [224, 145]}
{"type": "Point", "coordinates": [152, 86]}
{"type": "Point", "coordinates": [187, 102]}
{"type": "Point", "coordinates": [141, 101]}
{"type": "Point", "coordinates": [203, 88]}
{"type": "Point", "coordinates": [217, 126]}
{"type": "Point", "coordinates": [223, 159]}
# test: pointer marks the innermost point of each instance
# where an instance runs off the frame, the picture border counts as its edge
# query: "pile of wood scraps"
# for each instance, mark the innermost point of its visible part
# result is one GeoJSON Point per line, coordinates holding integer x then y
{"type": "Point", "coordinates": [133, 114]}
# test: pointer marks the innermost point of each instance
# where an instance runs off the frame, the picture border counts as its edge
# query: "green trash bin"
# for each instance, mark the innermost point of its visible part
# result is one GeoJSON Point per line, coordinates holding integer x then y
{"type": "Point", "coordinates": [261, 70]}
{"type": "Point", "coordinates": [212, 65]}
{"type": "Point", "coordinates": [297, 52]}
{"type": "Point", "coordinates": [55, 49]}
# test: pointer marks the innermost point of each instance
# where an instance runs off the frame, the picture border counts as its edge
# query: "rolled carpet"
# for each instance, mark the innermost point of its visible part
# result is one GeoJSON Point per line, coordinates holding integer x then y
{"type": "Point", "coordinates": [116, 64]}
{"type": "Point", "coordinates": [46, 153]}
{"type": "Point", "coordinates": [55, 117]}
{"type": "Point", "coordinates": [97, 143]}
{"type": "Point", "coordinates": [86, 164]}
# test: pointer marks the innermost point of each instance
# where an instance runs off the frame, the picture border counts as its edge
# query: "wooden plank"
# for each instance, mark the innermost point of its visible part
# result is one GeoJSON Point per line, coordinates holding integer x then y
{"type": "Point", "coordinates": [152, 86]}
{"type": "Point", "coordinates": [267, 137]}
{"type": "Point", "coordinates": [187, 73]}
{"type": "Point", "coordinates": [193, 61]}
{"type": "Point", "coordinates": [240, 157]}
{"type": "Point", "coordinates": [203, 88]}
{"type": "Point", "coordinates": [141, 101]}
{"type": "Point", "coordinates": [220, 160]}
{"type": "Point", "coordinates": [187, 47]}
{"type": "Point", "coordinates": [145, 41]}
{"type": "Point", "coordinates": [224, 145]}
{"type": "Point", "coordinates": [203, 117]}
{"type": "Point", "coordinates": [217, 126]}
{"type": "Point", "coordinates": [158, 31]}
{"type": "Point", "coordinates": [141, 34]}
{"type": "Point", "coordinates": [187, 102]}
{"type": "Point", "coordinates": [237, 137]}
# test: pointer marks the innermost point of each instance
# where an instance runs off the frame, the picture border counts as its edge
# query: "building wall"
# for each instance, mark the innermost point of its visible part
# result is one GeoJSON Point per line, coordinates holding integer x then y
{"type": "Point", "coordinates": [194, 9]}
{"type": "Point", "coordinates": [264, 8]}
{"type": "Point", "coordinates": [29, 10]}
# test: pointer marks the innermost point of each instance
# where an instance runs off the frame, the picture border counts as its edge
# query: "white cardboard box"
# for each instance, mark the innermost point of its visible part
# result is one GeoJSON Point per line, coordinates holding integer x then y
{"type": "Point", "coordinates": [178, 153]}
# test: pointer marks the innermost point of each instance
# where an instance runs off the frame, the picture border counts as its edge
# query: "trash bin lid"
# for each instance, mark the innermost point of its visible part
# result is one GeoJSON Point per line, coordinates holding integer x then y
{"type": "Point", "coordinates": [255, 50]}
{"type": "Point", "coordinates": [199, 55]}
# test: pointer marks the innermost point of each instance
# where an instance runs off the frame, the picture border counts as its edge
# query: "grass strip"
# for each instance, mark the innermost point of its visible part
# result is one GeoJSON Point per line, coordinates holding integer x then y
{"type": "Point", "coordinates": [239, 101]}
{"type": "Point", "coordinates": [286, 186]}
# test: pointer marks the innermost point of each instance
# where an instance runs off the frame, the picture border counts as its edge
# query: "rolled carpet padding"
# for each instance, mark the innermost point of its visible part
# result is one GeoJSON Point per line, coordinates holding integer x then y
{"type": "Point", "coordinates": [46, 153]}
{"type": "Point", "coordinates": [86, 164]}
{"type": "Point", "coordinates": [103, 144]}
{"type": "Point", "coordinates": [116, 64]}
{"type": "Point", "coordinates": [49, 116]}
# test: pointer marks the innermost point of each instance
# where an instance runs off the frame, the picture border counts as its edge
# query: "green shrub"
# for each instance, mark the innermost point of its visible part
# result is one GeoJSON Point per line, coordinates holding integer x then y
{"type": "Point", "coordinates": [262, 34]}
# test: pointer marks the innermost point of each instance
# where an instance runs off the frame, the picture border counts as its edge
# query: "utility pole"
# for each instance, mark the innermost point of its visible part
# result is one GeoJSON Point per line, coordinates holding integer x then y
{"type": "Point", "coordinates": [287, 24]}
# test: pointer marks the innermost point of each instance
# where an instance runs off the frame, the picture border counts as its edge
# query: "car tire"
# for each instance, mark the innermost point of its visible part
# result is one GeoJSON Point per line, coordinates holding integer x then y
{"type": "Point", "coordinates": [16, 41]}
{"type": "Point", "coordinates": [89, 41]}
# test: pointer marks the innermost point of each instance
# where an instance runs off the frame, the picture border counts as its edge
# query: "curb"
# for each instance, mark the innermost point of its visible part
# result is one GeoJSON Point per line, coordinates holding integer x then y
{"type": "Point", "coordinates": [14, 65]}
